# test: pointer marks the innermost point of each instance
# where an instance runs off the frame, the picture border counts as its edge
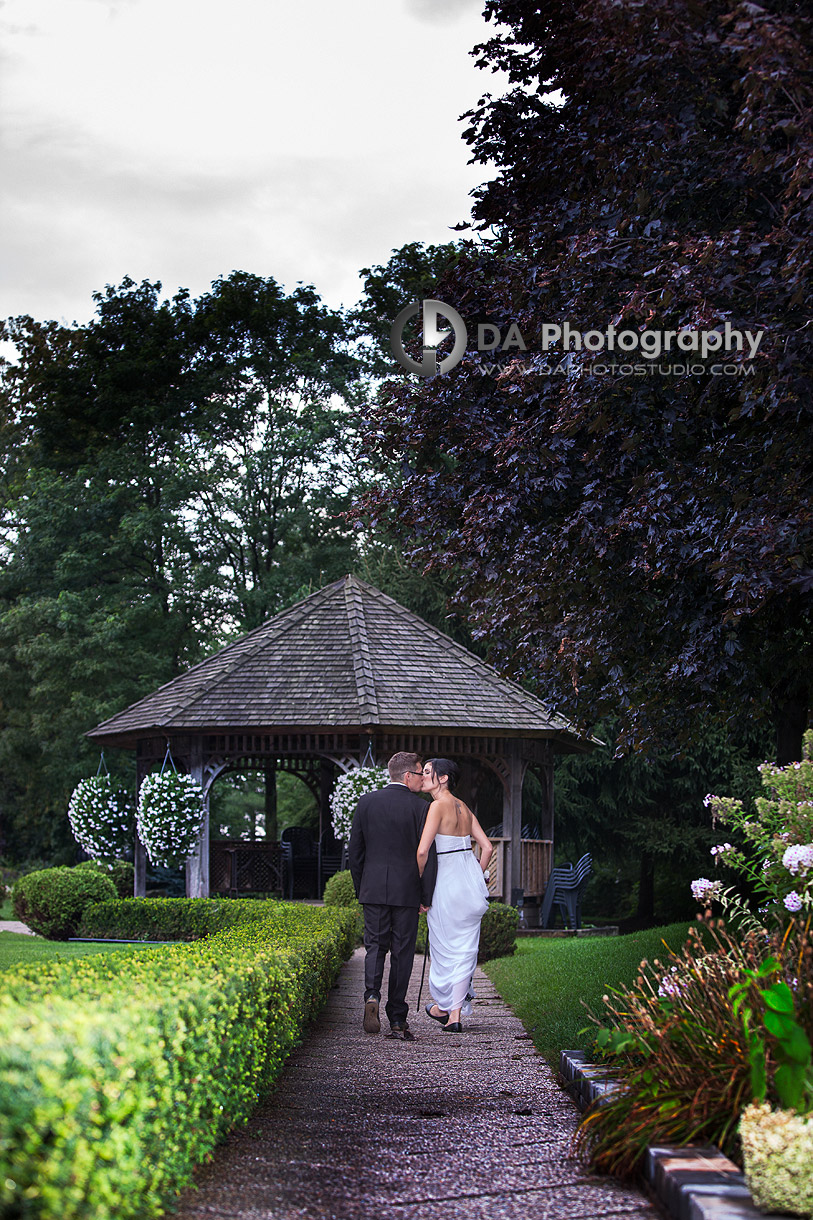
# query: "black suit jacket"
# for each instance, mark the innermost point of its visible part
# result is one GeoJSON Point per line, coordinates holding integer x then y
{"type": "Point", "coordinates": [384, 841]}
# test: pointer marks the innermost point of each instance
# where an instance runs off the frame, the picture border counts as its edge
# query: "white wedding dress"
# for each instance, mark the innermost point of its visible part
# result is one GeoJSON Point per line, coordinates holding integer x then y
{"type": "Point", "coordinates": [458, 904]}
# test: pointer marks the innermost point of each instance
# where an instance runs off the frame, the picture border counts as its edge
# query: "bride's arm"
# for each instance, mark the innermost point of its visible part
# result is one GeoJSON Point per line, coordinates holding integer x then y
{"type": "Point", "coordinates": [480, 837]}
{"type": "Point", "coordinates": [430, 829]}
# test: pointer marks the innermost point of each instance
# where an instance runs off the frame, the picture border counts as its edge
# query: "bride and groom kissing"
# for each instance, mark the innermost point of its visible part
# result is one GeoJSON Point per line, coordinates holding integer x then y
{"type": "Point", "coordinates": [408, 857]}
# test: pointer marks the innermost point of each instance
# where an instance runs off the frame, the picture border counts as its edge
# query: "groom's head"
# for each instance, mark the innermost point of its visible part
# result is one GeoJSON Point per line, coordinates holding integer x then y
{"type": "Point", "coordinates": [406, 769]}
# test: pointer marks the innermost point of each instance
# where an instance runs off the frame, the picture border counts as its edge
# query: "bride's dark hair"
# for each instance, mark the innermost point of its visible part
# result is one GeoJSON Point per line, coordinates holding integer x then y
{"type": "Point", "coordinates": [445, 766]}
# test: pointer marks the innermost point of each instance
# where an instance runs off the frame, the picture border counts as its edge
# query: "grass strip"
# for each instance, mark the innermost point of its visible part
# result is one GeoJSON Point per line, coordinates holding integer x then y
{"type": "Point", "coordinates": [20, 949]}
{"type": "Point", "coordinates": [549, 980]}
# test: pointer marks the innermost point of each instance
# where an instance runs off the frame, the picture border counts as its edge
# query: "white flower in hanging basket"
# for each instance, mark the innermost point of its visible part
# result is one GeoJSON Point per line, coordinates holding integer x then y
{"type": "Point", "coordinates": [169, 817]}
{"type": "Point", "coordinates": [102, 818]}
{"type": "Point", "coordinates": [345, 797]}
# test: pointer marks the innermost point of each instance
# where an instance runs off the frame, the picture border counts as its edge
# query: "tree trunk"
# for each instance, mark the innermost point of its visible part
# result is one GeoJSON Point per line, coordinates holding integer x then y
{"type": "Point", "coordinates": [791, 722]}
{"type": "Point", "coordinates": [646, 890]}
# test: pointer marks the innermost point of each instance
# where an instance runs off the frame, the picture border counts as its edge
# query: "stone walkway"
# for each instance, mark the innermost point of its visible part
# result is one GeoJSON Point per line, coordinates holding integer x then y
{"type": "Point", "coordinates": [359, 1125]}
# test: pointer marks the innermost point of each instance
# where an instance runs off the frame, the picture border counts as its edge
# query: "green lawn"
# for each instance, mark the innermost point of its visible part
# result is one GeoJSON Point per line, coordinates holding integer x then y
{"type": "Point", "coordinates": [547, 979]}
{"type": "Point", "coordinates": [17, 947]}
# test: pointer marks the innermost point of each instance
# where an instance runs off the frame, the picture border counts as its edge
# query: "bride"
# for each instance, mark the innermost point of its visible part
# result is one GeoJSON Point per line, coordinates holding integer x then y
{"type": "Point", "coordinates": [461, 896]}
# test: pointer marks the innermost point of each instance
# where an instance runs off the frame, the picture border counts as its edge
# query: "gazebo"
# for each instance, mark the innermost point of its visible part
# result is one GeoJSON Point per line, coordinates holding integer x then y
{"type": "Point", "coordinates": [343, 677]}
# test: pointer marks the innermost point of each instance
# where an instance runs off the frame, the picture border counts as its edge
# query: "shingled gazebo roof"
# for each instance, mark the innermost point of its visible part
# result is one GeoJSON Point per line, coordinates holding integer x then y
{"type": "Point", "coordinates": [346, 657]}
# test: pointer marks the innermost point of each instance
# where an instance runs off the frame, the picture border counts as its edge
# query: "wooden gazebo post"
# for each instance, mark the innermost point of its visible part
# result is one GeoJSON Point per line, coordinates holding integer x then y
{"type": "Point", "coordinates": [512, 811]}
{"type": "Point", "coordinates": [197, 866]}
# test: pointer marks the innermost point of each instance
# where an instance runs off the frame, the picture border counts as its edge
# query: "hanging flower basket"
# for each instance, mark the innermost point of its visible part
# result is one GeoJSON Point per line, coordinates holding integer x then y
{"type": "Point", "coordinates": [102, 818]}
{"type": "Point", "coordinates": [169, 818]}
{"type": "Point", "coordinates": [345, 797]}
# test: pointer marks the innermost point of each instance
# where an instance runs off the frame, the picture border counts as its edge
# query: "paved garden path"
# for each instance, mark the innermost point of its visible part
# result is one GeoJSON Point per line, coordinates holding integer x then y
{"type": "Point", "coordinates": [451, 1125]}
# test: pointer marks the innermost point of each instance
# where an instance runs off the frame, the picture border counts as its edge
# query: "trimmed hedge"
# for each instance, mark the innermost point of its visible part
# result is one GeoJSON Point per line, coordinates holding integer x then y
{"type": "Point", "coordinates": [120, 1072]}
{"type": "Point", "coordinates": [51, 901]}
{"type": "Point", "coordinates": [169, 918]}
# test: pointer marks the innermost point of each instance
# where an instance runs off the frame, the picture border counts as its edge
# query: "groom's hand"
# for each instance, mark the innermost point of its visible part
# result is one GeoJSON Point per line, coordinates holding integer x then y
{"type": "Point", "coordinates": [422, 910]}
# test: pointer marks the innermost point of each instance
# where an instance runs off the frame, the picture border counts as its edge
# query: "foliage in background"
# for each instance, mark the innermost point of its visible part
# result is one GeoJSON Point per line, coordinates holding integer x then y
{"type": "Point", "coordinates": [642, 817]}
{"type": "Point", "coordinates": [636, 546]}
{"type": "Point", "coordinates": [411, 274]}
{"type": "Point", "coordinates": [51, 902]}
{"type": "Point", "coordinates": [237, 806]}
{"type": "Point", "coordinates": [340, 891]}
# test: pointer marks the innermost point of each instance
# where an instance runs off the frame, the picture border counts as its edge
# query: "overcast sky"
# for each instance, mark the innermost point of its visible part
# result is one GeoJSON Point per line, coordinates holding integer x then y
{"type": "Point", "coordinates": [178, 140]}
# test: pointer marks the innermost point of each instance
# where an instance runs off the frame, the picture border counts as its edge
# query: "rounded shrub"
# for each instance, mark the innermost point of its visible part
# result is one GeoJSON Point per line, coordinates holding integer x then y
{"type": "Point", "coordinates": [498, 932]}
{"type": "Point", "coordinates": [52, 901]}
{"type": "Point", "coordinates": [340, 891]}
{"type": "Point", "coordinates": [120, 872]}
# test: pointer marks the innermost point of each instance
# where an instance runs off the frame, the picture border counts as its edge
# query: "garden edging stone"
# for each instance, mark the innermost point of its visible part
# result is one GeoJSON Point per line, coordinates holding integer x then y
{"type": "Point", "coordinates": [691, 1183]}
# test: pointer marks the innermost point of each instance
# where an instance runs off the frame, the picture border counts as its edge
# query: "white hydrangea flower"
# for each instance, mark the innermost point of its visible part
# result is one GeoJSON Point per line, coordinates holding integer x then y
{"type": "Point", "coordinates": [798, 858]}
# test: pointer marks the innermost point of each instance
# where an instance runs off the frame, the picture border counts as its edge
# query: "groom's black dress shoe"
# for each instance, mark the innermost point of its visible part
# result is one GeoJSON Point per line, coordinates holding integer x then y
{"type": "Point", "coordinates": [372, 1021]}
{"type": "Point", "coordinates": [400, 1029]}
{"type": "Point", "coordinates": [441, 1016]}
{"type": "Point", "coordinates": [453, 1027]}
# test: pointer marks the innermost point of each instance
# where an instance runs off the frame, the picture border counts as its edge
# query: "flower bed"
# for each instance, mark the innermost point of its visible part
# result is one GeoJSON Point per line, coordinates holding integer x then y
{"type": "Point", "coordinates": [120, 1072]}
{"type": "Point", "coordinates": [728, 1020]}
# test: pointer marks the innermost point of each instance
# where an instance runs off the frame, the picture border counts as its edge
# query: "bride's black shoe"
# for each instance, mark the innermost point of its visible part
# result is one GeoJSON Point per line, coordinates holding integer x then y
{"type": "Point", "coordinates": [438, 1016]}
{"type": "Point", "coordinates": [453, 1027]}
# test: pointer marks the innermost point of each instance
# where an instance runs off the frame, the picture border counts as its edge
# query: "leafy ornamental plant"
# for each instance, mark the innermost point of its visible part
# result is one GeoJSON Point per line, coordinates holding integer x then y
{"type": "Point", "coordinates": [793, 1078]}
{"type": "Point", "coordinates": [681, 1066]}
{"type": "Point", "coordinates": [169, 818]}
{"type": "Point", "coordinates": [693, 1043]}
{"type": "Point", "coordinates": [349, 787]}
{"type": "Point", "coordinates": [777, 856]}
{"type": "Point", "coordinates": [102, 818]}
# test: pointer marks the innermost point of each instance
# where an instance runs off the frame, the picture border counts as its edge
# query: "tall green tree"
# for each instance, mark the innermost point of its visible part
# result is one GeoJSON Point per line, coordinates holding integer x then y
{"type": "Point", "coordinates": [634, 545]}
{"type": "Point", "coordinates": [172, 473]}
{"type": "Point", "coordinates": [277, 481]}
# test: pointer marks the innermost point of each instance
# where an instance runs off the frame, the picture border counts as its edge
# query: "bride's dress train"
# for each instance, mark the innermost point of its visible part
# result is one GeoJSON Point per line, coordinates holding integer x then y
{"type": "Point", "coordinates": [458, 904]}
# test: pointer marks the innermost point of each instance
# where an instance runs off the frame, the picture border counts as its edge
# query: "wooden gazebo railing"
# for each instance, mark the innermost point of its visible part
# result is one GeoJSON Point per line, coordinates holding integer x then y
{"type": "Point", "coordinates": [537, 860]}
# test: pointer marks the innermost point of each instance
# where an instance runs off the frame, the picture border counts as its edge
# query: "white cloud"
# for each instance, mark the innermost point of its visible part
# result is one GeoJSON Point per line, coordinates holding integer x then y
{"type": "Point", "coordinates": [180, 139]}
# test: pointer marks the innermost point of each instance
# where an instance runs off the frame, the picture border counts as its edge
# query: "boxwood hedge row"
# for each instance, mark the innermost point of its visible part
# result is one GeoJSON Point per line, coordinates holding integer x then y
{"type": "Point", "coordinates": [120, 1072]}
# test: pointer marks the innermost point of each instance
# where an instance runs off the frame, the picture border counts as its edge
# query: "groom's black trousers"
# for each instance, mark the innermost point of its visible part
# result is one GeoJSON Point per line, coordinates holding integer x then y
{"type": "Point", "coordinates": [393, 930]}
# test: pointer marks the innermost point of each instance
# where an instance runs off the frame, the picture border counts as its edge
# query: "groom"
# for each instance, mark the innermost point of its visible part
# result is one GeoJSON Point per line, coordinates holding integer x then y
{"type": "Point", "coordinates": [383, 864]}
